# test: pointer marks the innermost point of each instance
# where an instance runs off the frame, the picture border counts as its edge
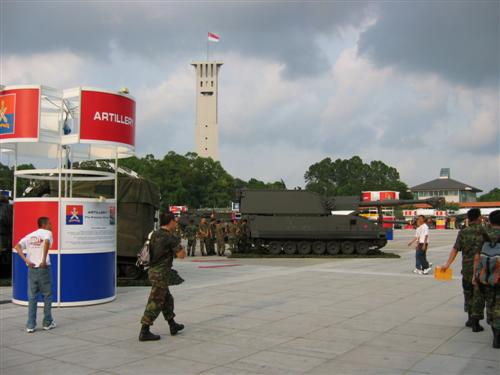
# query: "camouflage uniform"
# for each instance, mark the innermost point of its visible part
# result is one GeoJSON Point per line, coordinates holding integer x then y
{"type": "Point", "coordinates": [212, 238]}
{"type": "Point", "coordinates": [232, 236]}
{"type": "Point", "coordinates": [243, 236]}
{"type": "Point", "coordinates": [190, 232]}
{"type": "Point", "coordinates": [204, 232]}
{"type": "Point", "coordinates": [219, 235]}
{"type": "Point", "coordinates": [469, 242]}
{"type": "Point", "coordinates": [163, 247]}
{"type": "Point", "coordinates": [492, 293]}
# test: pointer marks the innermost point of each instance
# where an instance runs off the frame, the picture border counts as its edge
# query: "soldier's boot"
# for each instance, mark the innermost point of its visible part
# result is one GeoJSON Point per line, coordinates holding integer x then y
{"type": "Point", "coordinates": [175, 327]}
{"type": "Point", "coordinates": [496, 338]}
{"type": "Point", "coordinates": [146, 335]}
{"type": "Point", "coordinates": [476, 327]}
{"type": "Point", "coordinates": [468, 323]}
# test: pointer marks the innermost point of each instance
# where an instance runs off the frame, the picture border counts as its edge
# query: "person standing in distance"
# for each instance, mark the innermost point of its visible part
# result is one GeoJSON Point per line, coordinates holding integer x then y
{"type": "Point", "coordinates": [37, 245]}
{"type": "Point", "coordinates": [190, 233]}
{"type": "Point", "coordinates": [164, 245]}
{"type": "Point", "coordinates": [469, 241]}
{"type": "Point", "coordinates": [422, 239]}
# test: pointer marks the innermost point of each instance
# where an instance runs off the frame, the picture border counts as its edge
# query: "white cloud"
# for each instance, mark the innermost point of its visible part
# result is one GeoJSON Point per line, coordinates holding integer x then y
{"type": "Point", "coordinates": [54, 69]}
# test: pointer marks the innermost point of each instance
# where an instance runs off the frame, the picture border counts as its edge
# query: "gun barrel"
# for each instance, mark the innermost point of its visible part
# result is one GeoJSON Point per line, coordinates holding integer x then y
{"type": "Point", "coordinates": [434, 202]}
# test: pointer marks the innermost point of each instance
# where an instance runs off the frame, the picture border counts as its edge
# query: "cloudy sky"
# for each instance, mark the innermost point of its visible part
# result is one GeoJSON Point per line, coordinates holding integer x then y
{"type": "Point", "coordinates": [415, 84]}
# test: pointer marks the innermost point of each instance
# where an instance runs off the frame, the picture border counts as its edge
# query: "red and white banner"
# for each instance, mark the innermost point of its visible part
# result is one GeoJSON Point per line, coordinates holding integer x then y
{"type": "Point", "coordinates": [107, 117]}
{"type": "Point", "coordinates": [379, 195]}
{"type": "Point", "coordinates": [19, 115]}
{"type": "Point", "coordinates": [213, 37]}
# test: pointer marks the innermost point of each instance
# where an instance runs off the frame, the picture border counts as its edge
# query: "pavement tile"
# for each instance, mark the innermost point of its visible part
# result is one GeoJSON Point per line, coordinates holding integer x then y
{"type": "Point", "coordinates": [103, 357]}
{"type": "Point", "coordinates": [347, 368]}
{"type": "Point", "coordinates": [389, 341]}
{"type": "Point", "coordinates": [269, 362]}
{"type": "Point", "coordinates": [47, 366]}
{"type": "Point", "coordinates": [11, 357]}
{"type": "Point", "coordinates": [442, 364]}
{"type": "Point", "coordinates": [425, 330]}
{"type": "Point", "coordinates": [214, 353]}
{"type": "Point", "coordinates": [381, 358]}
{"type": "Point", "coordinates": [161, 365]}
{"type": "Point", "coordinates": [314, 348]}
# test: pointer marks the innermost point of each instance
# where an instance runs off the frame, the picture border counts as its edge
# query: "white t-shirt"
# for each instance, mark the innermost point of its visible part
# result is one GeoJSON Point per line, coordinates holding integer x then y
{"type": "Point", "coordinates": [33, 243]}
{"type": "Point", "coordinates": [422, 231]}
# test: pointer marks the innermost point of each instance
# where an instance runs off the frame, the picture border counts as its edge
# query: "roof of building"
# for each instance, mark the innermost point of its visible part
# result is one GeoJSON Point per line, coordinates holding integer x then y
{"type": "Point", "coordinates": [444, 184]}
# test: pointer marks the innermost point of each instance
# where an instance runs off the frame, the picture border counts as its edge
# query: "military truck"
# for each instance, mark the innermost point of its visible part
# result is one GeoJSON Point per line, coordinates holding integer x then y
{"type": "Point", "coordinates": [288, 222]}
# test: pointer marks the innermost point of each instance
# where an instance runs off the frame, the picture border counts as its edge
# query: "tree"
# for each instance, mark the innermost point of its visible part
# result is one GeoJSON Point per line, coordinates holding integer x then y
{"type": "Point", "coordinates": [492, 196]}
{"type": "Point", "coordinates": [192, 180]}
{"type": "Point", "coordinates": [7, 178]}
{"type": "Point", "coordinates": [352, 176]}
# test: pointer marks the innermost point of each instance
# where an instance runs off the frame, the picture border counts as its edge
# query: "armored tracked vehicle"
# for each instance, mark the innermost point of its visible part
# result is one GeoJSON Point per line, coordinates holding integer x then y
{"type": "Point", "coordinates": [301, 222]}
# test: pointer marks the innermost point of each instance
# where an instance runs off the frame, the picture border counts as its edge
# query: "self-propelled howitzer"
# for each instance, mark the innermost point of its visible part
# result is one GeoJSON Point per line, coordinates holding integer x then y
{"type": "Point", "coordinates": [301, 222]}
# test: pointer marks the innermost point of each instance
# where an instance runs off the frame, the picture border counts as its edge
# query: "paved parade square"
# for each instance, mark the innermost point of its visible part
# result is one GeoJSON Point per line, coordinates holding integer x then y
{"type": "Point", "coordinates": [269, 316]}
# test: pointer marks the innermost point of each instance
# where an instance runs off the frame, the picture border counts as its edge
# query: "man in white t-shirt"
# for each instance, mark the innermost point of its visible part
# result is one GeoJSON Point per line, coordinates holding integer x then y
{"type": "Point", "coordinates": [36, 245]}
{"type": "Point", "coordinates": [422, 239]}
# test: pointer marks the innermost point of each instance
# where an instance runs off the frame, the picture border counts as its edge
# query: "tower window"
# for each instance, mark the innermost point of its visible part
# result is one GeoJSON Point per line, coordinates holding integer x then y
{"type": "Point", "coordinates": [206, 126]}
{"type": "Point", "coordinates": [206, 149]}
{"type": "Point", "coordinates": [212, 83]}
{"type": "Point", "coordinates": [201, 83]}
{"type": "Point", "coordinates": [206, 138]}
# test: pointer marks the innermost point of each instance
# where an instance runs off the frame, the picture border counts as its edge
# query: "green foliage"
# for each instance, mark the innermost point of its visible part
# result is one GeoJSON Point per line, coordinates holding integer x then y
{"type": "Point", "coordinates": [7, 178]}
{"type": "Point", "coordinates": [352, 176]}
{"type": "Point", "coordinates": [192, 180]}
{"type": "Point", "coordinates": [492, 196]}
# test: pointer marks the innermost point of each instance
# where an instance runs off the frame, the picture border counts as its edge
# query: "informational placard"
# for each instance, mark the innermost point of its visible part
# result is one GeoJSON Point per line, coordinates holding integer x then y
{"type": "Point", "coordinates": [88, 226]}
{"type": "Point", "coordinates": [19, 115]}
{"type": "Point", "coordinates": [107, 117]}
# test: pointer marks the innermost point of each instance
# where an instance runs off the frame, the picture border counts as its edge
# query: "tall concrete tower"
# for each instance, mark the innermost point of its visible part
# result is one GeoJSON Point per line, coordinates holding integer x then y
{"type": "Point", "coordinates": [207, 92]}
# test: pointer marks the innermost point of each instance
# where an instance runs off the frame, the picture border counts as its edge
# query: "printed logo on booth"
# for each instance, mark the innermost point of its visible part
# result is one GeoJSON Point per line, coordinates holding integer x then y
{"type": "Point", "coordinates": [74, 215]}
{"type": "Point", "coordinates": [7, 113]}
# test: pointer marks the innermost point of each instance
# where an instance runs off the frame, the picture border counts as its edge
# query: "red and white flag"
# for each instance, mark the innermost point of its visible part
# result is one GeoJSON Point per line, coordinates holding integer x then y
{"type": "Point", "coordinates": [213, 37]}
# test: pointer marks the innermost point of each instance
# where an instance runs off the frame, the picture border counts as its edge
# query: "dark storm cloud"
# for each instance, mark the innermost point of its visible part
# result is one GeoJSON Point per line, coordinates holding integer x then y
{"type": "Point", "coordinates": [277, 31]}
{"type": "Point", "coordinates": [458, 40]}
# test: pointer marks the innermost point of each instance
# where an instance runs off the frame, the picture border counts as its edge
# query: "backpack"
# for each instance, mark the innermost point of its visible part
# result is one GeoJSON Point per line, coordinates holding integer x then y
{"type": "Point", "coordinates": [488, 272]}
{"type": "Point", "coordinates": [144, 255]}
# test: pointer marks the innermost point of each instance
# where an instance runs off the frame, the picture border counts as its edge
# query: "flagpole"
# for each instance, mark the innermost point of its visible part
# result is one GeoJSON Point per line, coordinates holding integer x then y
{"type": "Point", "coordinates": [208, 43]}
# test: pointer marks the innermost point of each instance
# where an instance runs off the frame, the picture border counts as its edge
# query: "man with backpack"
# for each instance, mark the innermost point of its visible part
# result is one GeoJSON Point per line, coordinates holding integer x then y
{"type": "Point", "coordinates": [164, 245]}
{"type": "Point", "coordinates": [487, 274]}
{"type": "Point", "coordinates": [469, 241]}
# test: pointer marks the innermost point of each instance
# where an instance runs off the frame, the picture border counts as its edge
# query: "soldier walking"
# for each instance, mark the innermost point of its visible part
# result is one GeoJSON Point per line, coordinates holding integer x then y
{"type": "Point", "coordinates": [204, 234]}
{"type": "Point", "coordinates": [190, 233]}
{"type": "Point", "coordinates": [487, 274]}
{"type": "Point", "coordinates": [468, 242]}
{"type": "Point", "coordinates": [164, 245]}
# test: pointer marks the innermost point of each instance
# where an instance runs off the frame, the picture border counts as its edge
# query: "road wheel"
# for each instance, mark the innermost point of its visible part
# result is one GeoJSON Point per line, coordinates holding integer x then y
{"type": "Point", "coordinates": [333, 247]}
{"type": "Point", "coordinates": [304, 247]}
{"type": "Point", "coordinates": [274, 247]}
{"type": "Point", "coordinates": [362, 247]}
{"type": "Point", "coordinates": [319, 247]}
{"type": "Point", "coordinates": [347, 247]}
{"type": "Point", "coordinates": [290, 247]}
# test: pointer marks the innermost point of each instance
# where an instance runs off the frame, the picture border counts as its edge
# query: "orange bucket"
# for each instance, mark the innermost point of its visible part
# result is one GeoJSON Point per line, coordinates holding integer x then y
{"type": "Point", "coordinates": [443, 276]}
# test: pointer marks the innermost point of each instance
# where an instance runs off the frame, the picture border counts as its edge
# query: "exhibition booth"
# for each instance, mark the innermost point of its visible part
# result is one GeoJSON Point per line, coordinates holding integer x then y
{"type": "Point", "coordinates": [58, 128]}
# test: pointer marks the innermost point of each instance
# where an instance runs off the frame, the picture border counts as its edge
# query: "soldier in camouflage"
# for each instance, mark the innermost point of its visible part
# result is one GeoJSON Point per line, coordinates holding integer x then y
{"type": "Point", "coordinates": [220, 234]}
{"type": "Point", "coordinates": [468, 242]}
{"type": "Point", "coordinates": [491, 292]}
{"type": "Point", "coordinates": [232, 238]}
{"type": "Point", "coordinates": [190, 233]}
{"type": "Point", "coordinates": [204, 234]}
{"type": "Point", "coordinates": [164, 245]}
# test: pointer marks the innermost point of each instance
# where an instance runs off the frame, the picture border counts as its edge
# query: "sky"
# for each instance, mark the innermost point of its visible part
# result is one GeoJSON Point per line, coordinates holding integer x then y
{"type": "Point", "coordinates": [414, 84]}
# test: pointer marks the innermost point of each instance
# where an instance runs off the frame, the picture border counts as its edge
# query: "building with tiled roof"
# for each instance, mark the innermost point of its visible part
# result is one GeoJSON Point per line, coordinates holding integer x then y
{"type": "Point", "coordinates": [444, 186]}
